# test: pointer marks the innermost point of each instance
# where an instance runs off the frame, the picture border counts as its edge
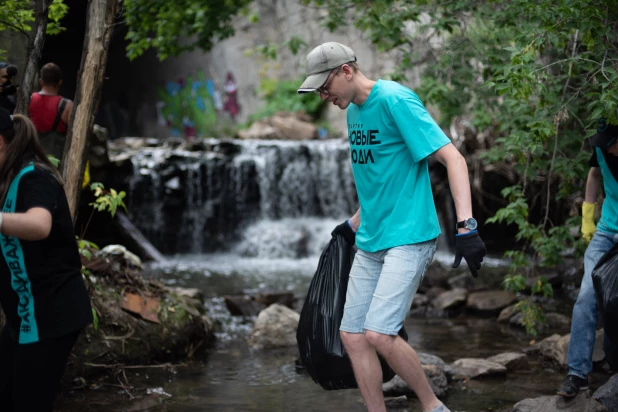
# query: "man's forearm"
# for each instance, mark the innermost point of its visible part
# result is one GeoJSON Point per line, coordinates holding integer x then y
{"type": "Point", "coordinates": [460, 187]}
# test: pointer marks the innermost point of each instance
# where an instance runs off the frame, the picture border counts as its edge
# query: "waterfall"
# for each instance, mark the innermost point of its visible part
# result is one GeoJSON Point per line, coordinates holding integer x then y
{"type": "Point", "coordinates": [196, 201]}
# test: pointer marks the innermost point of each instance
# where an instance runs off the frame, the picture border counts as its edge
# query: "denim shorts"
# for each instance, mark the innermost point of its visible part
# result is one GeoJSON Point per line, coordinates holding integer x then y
{"type": "Point", "coordinates": [382, 285]}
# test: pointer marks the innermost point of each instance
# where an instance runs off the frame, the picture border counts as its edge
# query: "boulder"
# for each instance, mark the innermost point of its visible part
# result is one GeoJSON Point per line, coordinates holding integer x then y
{"type": "Point", "coordinates": [291, 128]}
{"type": "Point", "coordinates": [490, 301]}
{"type": "Point", "coordinates": [450, 299]}
{"type": "Point", "coordinates": [581, 403]}
{"type": "Point", "coordinates": [608, 394]}
{"type": "Point", "coordinates": [275, 327]}
{"type": "Point", "coordinates": [396, 403]}
{"type": "Point", "coordinates": [556, 348]}
{"type": "Point", "coordinates": [511, 360]}
{"type": "Point", "coordinates": [259, 130]}
{"type": "Point", "coordinates": [557, 320]}
{"type": "Point", "coordinates": [420, 300]}
{"type": "Point", "coordinates": [474, 368]}
{"type": "Point", "coordinates": [121, 255]}
{"type": "Point", "coordinates": [243, 305]}
{"type": "Point", "coordinates": [284, 298]}
{"type": "Point", "coordinates": [507, 313]}
{"type": "Point", "coordinates": [462, 281]}
{"type": "Point", "coordinates": [435, 375]}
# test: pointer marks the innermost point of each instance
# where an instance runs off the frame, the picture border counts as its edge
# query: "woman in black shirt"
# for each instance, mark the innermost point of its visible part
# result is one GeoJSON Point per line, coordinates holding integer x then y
{"type": "Point", "coordinates": [42, 292]}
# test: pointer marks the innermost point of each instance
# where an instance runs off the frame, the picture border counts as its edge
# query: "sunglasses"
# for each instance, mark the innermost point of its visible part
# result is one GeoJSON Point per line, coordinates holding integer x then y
{"type": "Point", "coordinates": [324, 87]}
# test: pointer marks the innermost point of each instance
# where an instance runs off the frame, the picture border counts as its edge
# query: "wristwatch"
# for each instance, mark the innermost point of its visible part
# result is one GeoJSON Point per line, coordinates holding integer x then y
{"type": "Point", "coordinates": [469, 223]}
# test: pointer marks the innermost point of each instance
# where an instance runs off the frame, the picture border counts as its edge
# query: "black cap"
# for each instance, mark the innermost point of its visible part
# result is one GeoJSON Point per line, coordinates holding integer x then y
{"type": "Point", "coordinates": [6, 120]}
{"type": "Point", "coordinates": [606, 135]}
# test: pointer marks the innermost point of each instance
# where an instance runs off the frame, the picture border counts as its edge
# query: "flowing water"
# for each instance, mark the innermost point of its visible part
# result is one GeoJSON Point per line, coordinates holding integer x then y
{"type": "Point", "coordinates": [232, 377]}
{"type": "Point", "coordinates": [276, 203]}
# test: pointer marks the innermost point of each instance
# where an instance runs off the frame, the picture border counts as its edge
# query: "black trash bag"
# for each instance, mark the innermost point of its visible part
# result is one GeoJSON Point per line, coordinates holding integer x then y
{"type": "Point", "coordinates": [321, 350]}
{"type": "Point", "coordinates": [605, 281]}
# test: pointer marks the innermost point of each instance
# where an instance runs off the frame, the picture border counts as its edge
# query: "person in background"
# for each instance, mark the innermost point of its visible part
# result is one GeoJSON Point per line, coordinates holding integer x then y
{"type": "Point", "coordinates": [50, 112]}
{"type": "Point", "coordinates": [8, 91]}
{"type": "Point", "coordinates": [231, 96]}
{"type": "Point", "coordinates": [42, 292]}
{"type": "Point", "coordinates": [391, 136]}
{"type": "Point", "coordinates": [602, 237]}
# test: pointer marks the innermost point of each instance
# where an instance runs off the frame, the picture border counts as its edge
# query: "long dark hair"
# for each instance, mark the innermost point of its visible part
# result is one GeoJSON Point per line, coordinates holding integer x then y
{"type": "Point", "coordinates": [22, 147]}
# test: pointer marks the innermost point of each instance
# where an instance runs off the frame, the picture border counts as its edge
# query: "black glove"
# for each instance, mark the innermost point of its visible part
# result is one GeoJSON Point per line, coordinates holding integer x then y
{"type": "Point", "coordinates": [471, 248]}
{"type": "Point", "coordinates": [346, 231]}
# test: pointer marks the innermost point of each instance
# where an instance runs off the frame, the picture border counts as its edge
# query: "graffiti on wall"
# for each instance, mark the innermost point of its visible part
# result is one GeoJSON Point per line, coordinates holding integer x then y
{"type": "Point", "coordinates": [188, 107]}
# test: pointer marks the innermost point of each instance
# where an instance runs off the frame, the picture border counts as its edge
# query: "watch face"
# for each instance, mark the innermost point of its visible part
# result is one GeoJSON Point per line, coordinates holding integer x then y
{"type": "Point", "coordinates": [471, 223]}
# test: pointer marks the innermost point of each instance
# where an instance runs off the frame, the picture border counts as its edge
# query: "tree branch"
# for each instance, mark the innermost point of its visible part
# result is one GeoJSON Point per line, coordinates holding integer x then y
{"type": "Point", "coordinates": [14, 27]}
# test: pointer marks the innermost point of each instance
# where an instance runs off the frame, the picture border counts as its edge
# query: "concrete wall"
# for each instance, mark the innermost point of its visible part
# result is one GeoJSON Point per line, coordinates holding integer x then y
{"type": "Point", "coordinates": [279, 20]}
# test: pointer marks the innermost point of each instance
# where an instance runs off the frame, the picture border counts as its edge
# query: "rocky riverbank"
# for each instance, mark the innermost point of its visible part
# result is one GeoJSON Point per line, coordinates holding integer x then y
{"type": "Point", "coordinates": [137, 321]}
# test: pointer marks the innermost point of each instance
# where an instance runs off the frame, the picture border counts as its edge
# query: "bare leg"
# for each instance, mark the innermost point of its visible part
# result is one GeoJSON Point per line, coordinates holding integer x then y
{"type": "Point", "coordinates": [367, 369]}
{"type": "Point", "coordinates": [403, 359]}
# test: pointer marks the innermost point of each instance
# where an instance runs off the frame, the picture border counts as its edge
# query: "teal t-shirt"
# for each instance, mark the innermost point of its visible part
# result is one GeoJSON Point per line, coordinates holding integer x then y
{"type": "Point", "coordinates": [391, 134]}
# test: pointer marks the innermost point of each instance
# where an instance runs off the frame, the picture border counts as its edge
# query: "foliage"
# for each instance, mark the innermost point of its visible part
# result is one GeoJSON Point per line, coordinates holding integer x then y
{"type": "Point", "coordinates": [107, 200]}
{"type": "Point", "coordinates": [18, 15]}
{"type": "Point", "coordinates": [159, 24]}
{"type": "Point", "coordinates": [282, 95]}
{"type": "Point", "coordinates": [533, 76]}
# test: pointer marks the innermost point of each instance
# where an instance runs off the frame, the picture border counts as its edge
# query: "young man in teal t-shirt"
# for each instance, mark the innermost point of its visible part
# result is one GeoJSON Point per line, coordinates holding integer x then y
{"type": "Point", "coordinates": [391, 136]}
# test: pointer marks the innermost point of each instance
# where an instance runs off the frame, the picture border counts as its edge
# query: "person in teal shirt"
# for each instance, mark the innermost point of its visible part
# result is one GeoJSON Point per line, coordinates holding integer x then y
{"type": "Point", "coordinates": [391, 136]}
{"type": "Point", "coordinates": [602, 238]}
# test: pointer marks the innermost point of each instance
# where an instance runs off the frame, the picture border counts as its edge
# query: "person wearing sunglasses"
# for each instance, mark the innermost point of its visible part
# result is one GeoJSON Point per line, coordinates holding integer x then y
{"type": "Point", "coordinates": [601, 237]}
{"type": "Point", "coordinates": [391, 137]}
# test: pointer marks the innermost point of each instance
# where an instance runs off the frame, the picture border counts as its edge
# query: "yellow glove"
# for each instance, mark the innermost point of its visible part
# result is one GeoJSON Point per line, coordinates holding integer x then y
{"type": "Point", "coordinates": [588, 226]}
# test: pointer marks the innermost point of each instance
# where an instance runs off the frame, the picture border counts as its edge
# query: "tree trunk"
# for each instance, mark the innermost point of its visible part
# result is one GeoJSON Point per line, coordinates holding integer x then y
{"type": "Point", "coordinates": [99, 22]}
{"type": "Point", "coordinates": [35, 49]}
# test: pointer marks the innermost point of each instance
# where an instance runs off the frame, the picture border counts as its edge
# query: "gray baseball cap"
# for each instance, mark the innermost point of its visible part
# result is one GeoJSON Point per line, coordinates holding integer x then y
{"type": "Point", "coordinates": [323, 59]}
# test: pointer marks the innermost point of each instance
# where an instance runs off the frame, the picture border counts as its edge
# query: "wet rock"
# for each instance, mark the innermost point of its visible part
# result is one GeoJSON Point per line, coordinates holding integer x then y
{"type": "Point", "coordinates": [435, 276]}
{"type": "Point", "coordinates": [283, 298]}
{"type": "Point", "coordinates": [420, 300]}
{"type": "Point", "coordinates": [490, 301]}
{"type": "Point", "coordinates": [429, 359]}
{"type": "Point", "coordinates": [475, 368]}
{"type": "Point", "coordinates": [557, 320]}
{"type": "Point", "coordinates": [581, 403]}
{"type": "Point", "coordinates": [462, 281]}
{"type": "Point", "coordinates": [396, 402]}
{"type": "Point", "coordinates": [436, 377]}
{"type": "Point", "coordinates": [243, 305]}
{"type": "Point", "coordinates": [451, 299]}
{"type": "Point", "coordinates": [434, 292]}
{"type": "Point", "coordinates": [120, 254]}
{"type": "Point", "coordinates": [556, 348]}
{"type": "Point", "coordinates": [275, 327]}
{"type": "Point", "coordinates": [191, 293]}
{"type": "Point", "coordinates": [427, 312]}
{"type": "Point", "coordinates": [511, 360]}
{"type": "Point", "coordinates": [507, 313]}
{"type": "Point", "coordinates": [608, 394]}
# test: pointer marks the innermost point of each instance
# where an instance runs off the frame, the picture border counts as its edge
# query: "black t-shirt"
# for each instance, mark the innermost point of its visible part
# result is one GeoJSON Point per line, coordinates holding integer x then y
{"type": "Point", "coordinates": [610, 160]}
{"type": "Point", "coordinates": [53, 265]}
